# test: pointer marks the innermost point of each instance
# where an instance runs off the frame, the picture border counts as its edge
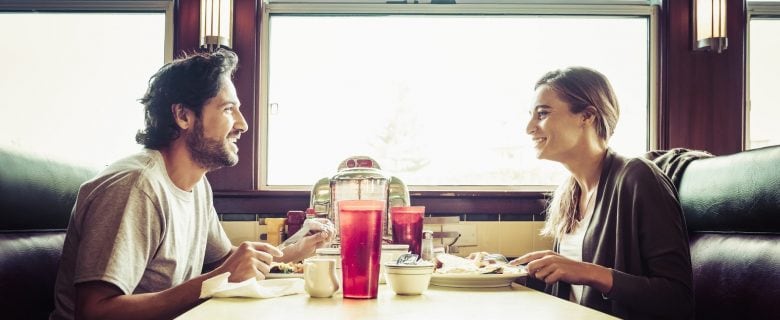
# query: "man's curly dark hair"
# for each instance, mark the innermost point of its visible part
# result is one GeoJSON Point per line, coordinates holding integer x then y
{"type": "Point", "coordinates": [190, 81]}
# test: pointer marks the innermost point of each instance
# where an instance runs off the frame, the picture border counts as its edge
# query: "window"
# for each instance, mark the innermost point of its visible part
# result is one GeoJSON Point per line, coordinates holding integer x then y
{"type": "Point", "coordinates": [763, 50]}
{"type": "Point", "coordinates": [439, 97]}
{"type": "Point", "coordinates": [71, 80]}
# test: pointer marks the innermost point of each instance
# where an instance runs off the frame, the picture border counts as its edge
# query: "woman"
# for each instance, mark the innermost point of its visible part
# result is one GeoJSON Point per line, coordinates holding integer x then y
{"type": "Point", "coordinates": [620, 239]}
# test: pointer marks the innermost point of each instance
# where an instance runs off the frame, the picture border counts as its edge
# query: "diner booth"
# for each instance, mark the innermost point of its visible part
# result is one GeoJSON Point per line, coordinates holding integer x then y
{"type": "Point", "coordinates": [698, 100]}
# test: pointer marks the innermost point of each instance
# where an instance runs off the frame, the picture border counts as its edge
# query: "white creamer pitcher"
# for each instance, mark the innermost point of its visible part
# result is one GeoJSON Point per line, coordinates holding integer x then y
{"type": "Point", "coordinates": [320, 277]}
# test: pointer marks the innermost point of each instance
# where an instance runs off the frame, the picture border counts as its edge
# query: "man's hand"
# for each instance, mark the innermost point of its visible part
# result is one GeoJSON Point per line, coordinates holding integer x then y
{"type": "Point", "coordinates": [305, 247]}
{"type": "Point", "coordinates": [315, 233]}
{"type": "Point", "coordinates": [321, 225]}
{"type": "Point", "coordinates": [249, 260]}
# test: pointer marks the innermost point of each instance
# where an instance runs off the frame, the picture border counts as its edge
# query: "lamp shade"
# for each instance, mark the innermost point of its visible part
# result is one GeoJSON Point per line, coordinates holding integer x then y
{"type": "Point", "coordinates": [710, 25]}
{"type": "Point", "coordinates": [216, 24]}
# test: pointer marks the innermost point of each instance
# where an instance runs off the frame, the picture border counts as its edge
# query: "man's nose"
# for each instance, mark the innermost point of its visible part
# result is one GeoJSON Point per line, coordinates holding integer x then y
{"type": "Point", "coordinates": [240, 121]}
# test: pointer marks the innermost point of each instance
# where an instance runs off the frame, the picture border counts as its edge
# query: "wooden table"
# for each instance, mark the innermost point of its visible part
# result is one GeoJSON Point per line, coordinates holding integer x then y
{"type": "Point", "coordinates": [435, 303]}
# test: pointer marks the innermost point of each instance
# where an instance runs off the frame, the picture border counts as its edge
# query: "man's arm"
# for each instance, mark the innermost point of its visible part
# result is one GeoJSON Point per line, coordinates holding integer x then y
{"type": "Point", "coordinates": [297, 252]}
{"type": "Point", "coordinates": [102, 300]}
{"type": "Point", "coordinates": [303, 248]}
{"type": "Point", "coordinates": [319, 232]}
{"type": "Point", "coordinates": [211, 266]}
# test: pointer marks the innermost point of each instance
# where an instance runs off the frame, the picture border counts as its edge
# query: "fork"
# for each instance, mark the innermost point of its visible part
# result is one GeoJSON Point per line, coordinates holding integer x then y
{"type": "Point", "coordinates": [502, 260]}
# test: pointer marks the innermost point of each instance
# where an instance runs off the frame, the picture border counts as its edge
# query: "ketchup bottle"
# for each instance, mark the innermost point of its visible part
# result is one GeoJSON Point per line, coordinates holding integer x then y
{"type": "Point", "coordinates": [294, 221]}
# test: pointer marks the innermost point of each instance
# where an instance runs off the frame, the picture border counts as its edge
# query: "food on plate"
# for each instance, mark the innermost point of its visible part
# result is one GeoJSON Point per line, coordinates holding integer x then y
{"type": "Point", "coordinates": [288, 267]}
{"type": "Point", "coordinates": [475, 263]}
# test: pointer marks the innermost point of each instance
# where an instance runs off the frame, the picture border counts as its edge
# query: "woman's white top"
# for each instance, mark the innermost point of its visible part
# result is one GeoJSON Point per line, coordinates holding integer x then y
{"type": "Point", "coordinates": [571, 247]}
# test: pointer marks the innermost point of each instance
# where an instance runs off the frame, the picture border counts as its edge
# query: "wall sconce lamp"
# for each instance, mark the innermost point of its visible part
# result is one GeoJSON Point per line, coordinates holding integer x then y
{"type": "Point", "coordinates": [216, 24]}
{"type": "Point", "coordinates": [709, 25]}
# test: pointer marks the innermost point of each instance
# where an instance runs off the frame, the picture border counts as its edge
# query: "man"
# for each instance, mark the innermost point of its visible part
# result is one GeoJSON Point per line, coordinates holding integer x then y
{"type": "Point", "coordinates": [142, 231]}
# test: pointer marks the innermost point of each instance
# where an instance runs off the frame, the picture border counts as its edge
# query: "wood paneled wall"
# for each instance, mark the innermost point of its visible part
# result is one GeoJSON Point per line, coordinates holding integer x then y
{"type": "Point", "coordinates": [702, 93]}
{"type": "Point", "coordinates": [240, 177]}
{"type": "Point", "coordinates": [245, 44]}
{"type": "Point", "coordinates": [186, 26]}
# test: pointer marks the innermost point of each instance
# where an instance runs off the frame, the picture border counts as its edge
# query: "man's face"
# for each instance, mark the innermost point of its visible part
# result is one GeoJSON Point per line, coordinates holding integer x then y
{"type": "Point", "coordinates": [212, 142]}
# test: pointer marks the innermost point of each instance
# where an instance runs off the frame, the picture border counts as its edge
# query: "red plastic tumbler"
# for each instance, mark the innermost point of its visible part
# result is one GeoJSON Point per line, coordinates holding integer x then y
{"type": "Point", "coordinates": [360, 224]}
{"type": "Point", "coordinates": [408, 226]}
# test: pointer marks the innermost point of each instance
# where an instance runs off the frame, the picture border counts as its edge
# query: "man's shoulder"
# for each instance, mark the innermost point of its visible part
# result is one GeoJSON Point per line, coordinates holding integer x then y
{"type": "Point", "coordinates": [137, 162]}
{"type": "Point", "coordinates": [139, 170]}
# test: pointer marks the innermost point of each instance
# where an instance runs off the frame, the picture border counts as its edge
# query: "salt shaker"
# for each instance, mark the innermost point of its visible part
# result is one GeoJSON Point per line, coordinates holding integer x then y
{"type": "Point", "coordinates": [310, 214]}
{"type": "Point", "coordinates": [426, 252]}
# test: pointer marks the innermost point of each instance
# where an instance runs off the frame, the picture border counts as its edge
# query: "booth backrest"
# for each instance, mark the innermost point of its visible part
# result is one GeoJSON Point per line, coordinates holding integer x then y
{"type": "Point", "coordinates": [732, 211]}
{"type": "Point", "coordinates": [36, 198]}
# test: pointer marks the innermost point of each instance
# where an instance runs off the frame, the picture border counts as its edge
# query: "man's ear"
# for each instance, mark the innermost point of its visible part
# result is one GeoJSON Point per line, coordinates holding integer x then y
{"type": "Point", "coordinates": [182, 115]}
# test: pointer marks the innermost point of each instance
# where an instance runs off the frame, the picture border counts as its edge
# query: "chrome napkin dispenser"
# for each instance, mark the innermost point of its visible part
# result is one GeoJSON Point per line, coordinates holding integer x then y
{"type": "Point", "coordinates": [358, 178]}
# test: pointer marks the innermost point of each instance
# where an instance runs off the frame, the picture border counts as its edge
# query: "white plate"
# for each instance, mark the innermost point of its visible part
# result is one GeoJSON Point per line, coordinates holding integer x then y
{"type": "Point", "coordinates": [464, 280]}
{"type": "Point", "coordinates": [283, 275]}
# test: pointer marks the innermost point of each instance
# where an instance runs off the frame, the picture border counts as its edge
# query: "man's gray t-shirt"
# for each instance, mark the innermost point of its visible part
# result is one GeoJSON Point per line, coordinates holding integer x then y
{"type": "Point", "coordinates": [133, 228]}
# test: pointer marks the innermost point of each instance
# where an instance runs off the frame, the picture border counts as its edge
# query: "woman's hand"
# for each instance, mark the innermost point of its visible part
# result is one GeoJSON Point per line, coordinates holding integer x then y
{"type": "Point", "coordinates": [551, 267]}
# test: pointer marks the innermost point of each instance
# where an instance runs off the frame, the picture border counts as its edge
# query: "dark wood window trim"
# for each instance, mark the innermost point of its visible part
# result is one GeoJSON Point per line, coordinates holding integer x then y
{"type": "Point", "coordinates": [702, 106]}
{"type": "Point", "coordinates": [470, 206]}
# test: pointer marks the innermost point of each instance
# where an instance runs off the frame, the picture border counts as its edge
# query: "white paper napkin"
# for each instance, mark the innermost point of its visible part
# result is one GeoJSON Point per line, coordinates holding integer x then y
{"type": "Point", "coordinates": [455, 264]}
{"type": "Point", "coordinates": [219, 287]}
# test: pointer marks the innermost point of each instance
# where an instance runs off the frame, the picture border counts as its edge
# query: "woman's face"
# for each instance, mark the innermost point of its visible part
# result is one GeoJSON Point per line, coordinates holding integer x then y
{"type": "Point", "coordinates": [555, 130]}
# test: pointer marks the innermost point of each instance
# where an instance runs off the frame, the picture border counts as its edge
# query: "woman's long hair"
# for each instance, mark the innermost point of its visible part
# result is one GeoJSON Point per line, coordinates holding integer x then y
{"type": "Point", "coordinates": [579, 87]}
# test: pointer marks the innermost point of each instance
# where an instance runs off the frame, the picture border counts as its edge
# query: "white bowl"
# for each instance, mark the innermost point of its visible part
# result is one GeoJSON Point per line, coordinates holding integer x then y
{"type": "Point", "coordinates": [408, 280]}
{"type": "Point", "coordinates": [390, 253]}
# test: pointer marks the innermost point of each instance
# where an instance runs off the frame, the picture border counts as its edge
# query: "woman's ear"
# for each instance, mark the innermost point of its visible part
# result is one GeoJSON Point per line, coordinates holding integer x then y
{"type": "Point", "coordinates": [182, 116]}
{"type": "Point", "coordinates": [589, 114]}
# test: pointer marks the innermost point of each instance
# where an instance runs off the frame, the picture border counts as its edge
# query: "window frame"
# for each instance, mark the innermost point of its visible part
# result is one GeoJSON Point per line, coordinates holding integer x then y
{"type": "Point", "coordinates": [761, 10]}
{"type": "Point", "coordinates": [166, 6]}
{"type": "Point", "coordinates": [159, 9]}
{"type": "Point", "coordinates": [633, 8]}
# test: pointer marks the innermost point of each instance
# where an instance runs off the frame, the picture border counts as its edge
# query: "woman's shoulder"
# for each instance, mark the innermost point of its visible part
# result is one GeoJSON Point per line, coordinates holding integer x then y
{"type": "Point", "coordinates": [635, 170]}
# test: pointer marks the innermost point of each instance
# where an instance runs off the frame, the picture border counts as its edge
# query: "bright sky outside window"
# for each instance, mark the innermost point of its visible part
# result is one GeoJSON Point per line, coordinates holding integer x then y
{"type": "Point", "coordinates": [71, 82]}
{"type": "Point", "coordinates": [764, 94]}
{"type": "Point", "coordinates": [437, 100]}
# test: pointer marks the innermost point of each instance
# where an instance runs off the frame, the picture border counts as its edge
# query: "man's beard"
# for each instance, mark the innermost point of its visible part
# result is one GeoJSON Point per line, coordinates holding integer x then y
{"type": "Point", "coordinates": [211, 154]}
